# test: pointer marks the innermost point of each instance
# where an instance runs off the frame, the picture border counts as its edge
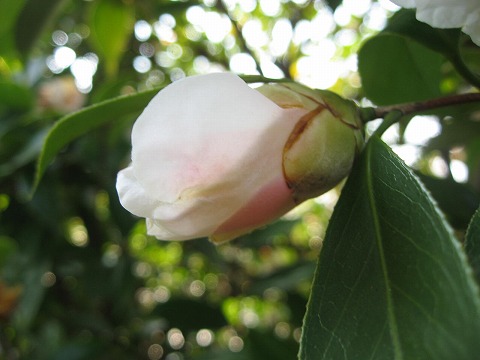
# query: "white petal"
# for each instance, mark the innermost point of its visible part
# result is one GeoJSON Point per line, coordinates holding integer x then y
{"type": "Point", "coordinates": [447, 14]}
{"type": "Point", "coordinates": [404, 3]}
{"type": "Point", "coordinates": [201, 150]}
{"type": "Point", "coordinates": [132, 195]}
{"type": "Point", "coordinates": [472, 27]}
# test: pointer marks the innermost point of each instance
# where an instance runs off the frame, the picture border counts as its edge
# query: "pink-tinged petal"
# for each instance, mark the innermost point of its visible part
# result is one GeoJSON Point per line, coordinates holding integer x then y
{"type": "Point", "coordinates": [196, 130]}
{"type": "Point", "coordinates": [268, 204]}
{"type": "Point", "coordinates": [208, 155]}
{"type": "Point", "coordinates": [201, 150]}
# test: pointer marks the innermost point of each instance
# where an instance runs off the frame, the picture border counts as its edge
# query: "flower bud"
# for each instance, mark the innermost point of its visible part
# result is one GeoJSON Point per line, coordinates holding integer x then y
{"type": "Point", "coordinates": [213, 157]}
{"type": "Point", "coordinates": [321, 148]}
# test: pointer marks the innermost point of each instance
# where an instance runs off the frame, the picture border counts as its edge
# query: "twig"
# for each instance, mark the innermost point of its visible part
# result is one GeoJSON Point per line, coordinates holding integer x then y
{"type": "Point", "coordinates": [421, 106]}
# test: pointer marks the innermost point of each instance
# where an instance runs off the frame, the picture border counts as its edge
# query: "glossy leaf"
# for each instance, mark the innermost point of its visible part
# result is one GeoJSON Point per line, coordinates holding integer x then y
{"type": "Point", "coordinates": [443, 41]}
{"type": "Point", "coordinates": [472, 244]}
{"type": "Point", "coordinates": [111, 22]}
{"type": "Point", "coordinates": [392, 281]}
{"type": "Point", "coordinates": [395, 69]}
{"type": "Point", "coordinates": [457, 201]}
{"type": "Point", "coordinates": [74, 125]}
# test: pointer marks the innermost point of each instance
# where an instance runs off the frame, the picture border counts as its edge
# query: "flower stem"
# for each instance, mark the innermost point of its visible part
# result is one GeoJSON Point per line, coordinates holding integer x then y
{"type": "Point", "coordinates": [369, 114]}
{"type": "Point", "coordinates": [391, 118]}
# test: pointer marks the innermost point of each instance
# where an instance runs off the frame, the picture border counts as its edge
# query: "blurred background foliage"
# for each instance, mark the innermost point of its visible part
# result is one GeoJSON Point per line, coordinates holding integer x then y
{"type": "Point", "coordinates": [79, 279]}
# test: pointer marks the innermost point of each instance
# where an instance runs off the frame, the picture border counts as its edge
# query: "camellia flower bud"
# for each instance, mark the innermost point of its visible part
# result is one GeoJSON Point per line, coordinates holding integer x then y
{"type": "Point", "coordinates": [213, 157]}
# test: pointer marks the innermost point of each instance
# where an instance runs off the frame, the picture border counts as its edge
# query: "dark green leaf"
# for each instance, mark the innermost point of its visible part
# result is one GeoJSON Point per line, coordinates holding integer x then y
{"type": "Point", "coordinates": [264, 345]}
{"type": "Point", "coordinates": [395, 69]}
{"type": "Point", "coordinates": [12, 8]}
{"type": "Point", "coordinates": [472, 244]}
{"type": "Point", "coordinates": [333, 3]}
{"type": "Point", "coordinates": [8, 246]}
{"type": "Point", "coordinates": [443, 41]}
{"type": "Point", "coordinates": [74, 125]}
{"type": "Point", "coordinates": [15, 97]}
{"type": "Point", "coordinates": [32, 295]}
{"type": "Point", "coordinates": [190, 315]}
{"type": "Point", "coordinates": [285, 279]}
{"type": "Point", "coordinates": [111, 22]}
{"type": "Point", "coordinates": [24, 155]}
{"type": "Point", "coordinates": [79, 351]}
{"type": "Point", "coordinates": [457, 201]}
{"type": "Point", "coordinates": [34, 19]}
{"type": "Point", "coordinates": [392, 281]}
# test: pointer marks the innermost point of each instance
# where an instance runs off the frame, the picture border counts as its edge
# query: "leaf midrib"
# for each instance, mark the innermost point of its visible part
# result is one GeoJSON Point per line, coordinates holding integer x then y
{"type": "Point", "coordinates": [391, 318]}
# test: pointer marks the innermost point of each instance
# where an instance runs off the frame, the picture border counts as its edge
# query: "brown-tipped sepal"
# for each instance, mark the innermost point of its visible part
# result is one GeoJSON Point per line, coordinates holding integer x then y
{"type": "Point", "coordinates": [321, 149]}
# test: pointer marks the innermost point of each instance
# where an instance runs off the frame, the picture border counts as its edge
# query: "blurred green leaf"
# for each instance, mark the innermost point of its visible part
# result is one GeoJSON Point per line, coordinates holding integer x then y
{"type": "Point", "coordinates": [111, 23]}
{"type": "Point", "coordinates": [223, 354]}
{"type": "Point", "coordinates": [264, 345]}
{"type": "Point", "coordinates": [472, 244]}
{"type": "Point", "coordinates": [15, 97]}
{"type": "Point", "coordinates": [80, 351]}
{"type": "Point", "coordinates": [33, 20]}
{"type": "Point", "coordinates": [457, 201]}
{"type": "Point", "coordinates": [25, 155]}
{"type": "Point", "coordinates": [8, 246]}
{"type": "Point", "coordinates": [391, 282]}
{"type": "Point", "coordinates": [395, 69]}
{"type": "Point", "coordinates": [285, 279]}
{"type": "Point", "coordinates": [74, 125]}
{"type": "Point", "coordinates": [187, 314]}
{"type": "Point", "coordinates": [32, 295]}
{"type": "Point", "coordinates": [333, 3]}
{"type": "Point", "coordinates": [12, 8]}
{"type": "Point", "coordinates": [458, 131]}
{"type": "Point", "coordinates": [443, 41]}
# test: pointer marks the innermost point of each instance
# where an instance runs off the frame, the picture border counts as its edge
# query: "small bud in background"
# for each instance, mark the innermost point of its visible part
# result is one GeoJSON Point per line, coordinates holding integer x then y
{"type": "Point", "coordinates": [60, 95]}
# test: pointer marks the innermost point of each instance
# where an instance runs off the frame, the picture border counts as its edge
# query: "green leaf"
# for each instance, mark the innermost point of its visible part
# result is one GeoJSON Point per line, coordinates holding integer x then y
{"type": "Point", "coordinates": [190, 315]}
{"type": "Point", "coordinates": [472, 243]}
{"type": "Point", "coordinates": [333, 4]}
{"type": "Point", "coordinates": [8, 247]}
{"type": "Point", "coordinates": [285, 279]}
{"type": "Point", "coordinates": [34, 19]}
{"type": "Point", "coordinates": [15, 97]}
{"type": "Point", "coordinates": [12, 8]}
{"type": "Point", "coordinates": [395, 69]}
{"type": "Point", "coordinates": [111, 23]}
{"type": "Point", "coordinates": [457, 201]}
{"type": "Point", "coordinates": [74, 125]}
{"type": "Point", "coordinates": [24, 155]}
{"type": "Point", "coordinates": [443, 41]}
{"type": "Point", "coordinates": [391, 281]}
